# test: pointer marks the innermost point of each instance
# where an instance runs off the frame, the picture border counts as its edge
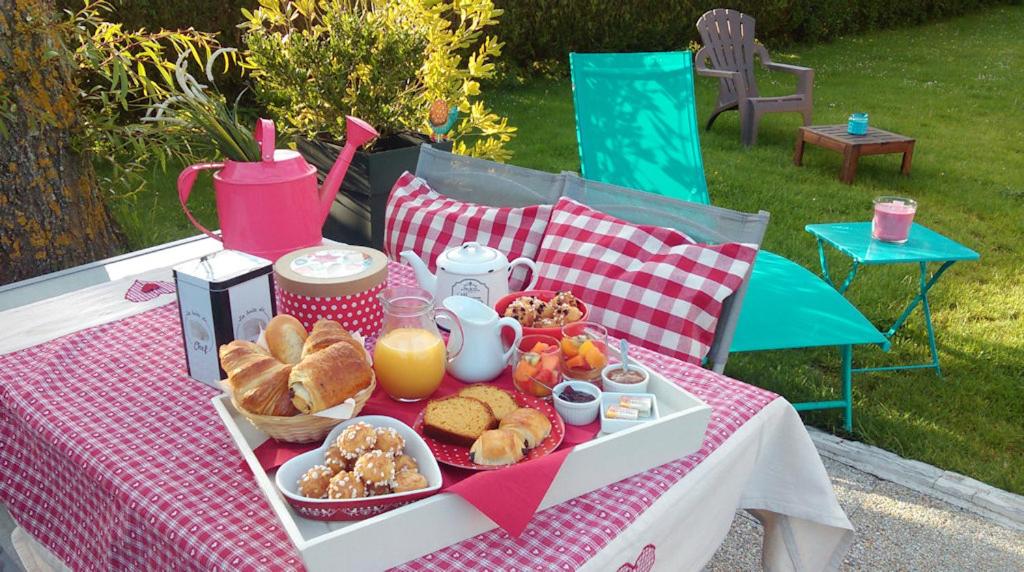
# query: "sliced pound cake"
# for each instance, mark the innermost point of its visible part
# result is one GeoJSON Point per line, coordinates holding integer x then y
{"type": "Point", "coordinates": [500, 401]}
{"type": "Point", "coordinates": [458, 420]}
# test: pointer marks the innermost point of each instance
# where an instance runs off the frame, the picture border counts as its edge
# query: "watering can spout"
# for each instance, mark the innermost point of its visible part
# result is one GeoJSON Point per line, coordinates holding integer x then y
{"type": "Point", "coordinates": [357, 132]}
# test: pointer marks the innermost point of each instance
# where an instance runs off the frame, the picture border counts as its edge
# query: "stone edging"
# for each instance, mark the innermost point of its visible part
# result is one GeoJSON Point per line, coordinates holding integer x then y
{"type": "Point", "coordinates": [1002, 507]}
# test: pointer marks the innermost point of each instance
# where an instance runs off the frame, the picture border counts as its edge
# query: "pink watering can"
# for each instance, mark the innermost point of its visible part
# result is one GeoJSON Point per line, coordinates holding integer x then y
{"type": "Point", "coordinates": [273, 206]}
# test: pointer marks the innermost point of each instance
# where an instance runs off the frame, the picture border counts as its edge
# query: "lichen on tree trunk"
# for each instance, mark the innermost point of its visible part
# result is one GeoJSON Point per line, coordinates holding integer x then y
{"type": "Point", "coordinates": [52, 213]}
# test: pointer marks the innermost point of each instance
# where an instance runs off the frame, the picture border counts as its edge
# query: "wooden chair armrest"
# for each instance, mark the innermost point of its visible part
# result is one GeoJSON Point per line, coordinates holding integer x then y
{"type": "Point", "coordinates": [768, 64]}
{"type": "Point", "coordinates": [700, 65]}
{"type": "Point", "coordinates": [798, 70]}
{"type": "Point", "coordinates": [805, 76]}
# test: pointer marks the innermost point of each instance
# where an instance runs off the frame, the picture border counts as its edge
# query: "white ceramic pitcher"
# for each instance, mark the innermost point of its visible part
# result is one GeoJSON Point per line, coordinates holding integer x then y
{"type": "Point", "coordinates": [483, 356]}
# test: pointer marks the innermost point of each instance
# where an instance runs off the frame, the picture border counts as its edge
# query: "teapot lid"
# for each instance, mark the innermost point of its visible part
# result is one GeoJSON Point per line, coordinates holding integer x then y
{"type": "Point", "coordinates": [472, 258]}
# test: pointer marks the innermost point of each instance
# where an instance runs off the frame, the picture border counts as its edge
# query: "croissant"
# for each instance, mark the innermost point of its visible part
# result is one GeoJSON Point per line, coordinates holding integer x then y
{"type": "Point", "coordinates": [258, 381]}
{"type": "Point", "coordinates": [328, 377]}
{"type": "Point", "coordinates": [326, 333]}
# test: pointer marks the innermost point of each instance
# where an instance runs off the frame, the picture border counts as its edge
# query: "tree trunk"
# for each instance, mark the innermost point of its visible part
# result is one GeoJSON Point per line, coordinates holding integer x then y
{"type": "Point", "coordinates": [52, 215]}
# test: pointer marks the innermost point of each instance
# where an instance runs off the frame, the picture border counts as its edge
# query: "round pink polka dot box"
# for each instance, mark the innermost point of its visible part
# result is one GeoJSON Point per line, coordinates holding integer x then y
{"type": "Point", "coordinates": [337, 282]}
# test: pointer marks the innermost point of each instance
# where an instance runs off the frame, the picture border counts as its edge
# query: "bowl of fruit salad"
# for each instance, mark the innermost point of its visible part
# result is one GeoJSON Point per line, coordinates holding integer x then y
{"type": "Point", "coordinates": [584, 349]}
{"type": "Point", "coordinates": [538, 365]}
{"type": "Point", "coordinates": [541, 312]}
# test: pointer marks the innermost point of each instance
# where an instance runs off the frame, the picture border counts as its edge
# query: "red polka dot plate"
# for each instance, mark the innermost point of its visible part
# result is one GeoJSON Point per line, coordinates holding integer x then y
{"type": "Point", "coordinates": [458, 456]}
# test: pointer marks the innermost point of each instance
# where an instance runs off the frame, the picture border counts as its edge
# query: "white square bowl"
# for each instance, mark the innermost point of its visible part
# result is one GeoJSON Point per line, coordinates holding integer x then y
{"type": "Point", "coordinates": [616, 425]}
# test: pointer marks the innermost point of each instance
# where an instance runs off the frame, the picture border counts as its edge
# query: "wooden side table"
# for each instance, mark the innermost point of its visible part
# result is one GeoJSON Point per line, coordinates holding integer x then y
{"type": "Point", "coordinates": [835, 137]}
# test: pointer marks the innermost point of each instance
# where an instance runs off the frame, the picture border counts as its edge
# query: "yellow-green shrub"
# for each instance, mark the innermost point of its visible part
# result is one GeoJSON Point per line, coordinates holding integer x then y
{"type": "Point", "coordinates": [314, 61]}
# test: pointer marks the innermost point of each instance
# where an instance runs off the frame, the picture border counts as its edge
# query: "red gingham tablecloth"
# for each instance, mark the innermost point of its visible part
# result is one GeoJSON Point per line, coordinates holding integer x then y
{"type": "Point", "coordinates": [114, 459]}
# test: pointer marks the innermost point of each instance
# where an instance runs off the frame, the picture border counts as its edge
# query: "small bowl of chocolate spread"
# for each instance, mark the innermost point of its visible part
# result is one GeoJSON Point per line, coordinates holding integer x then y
{"type": "Point", "coordinates": [619, 380]}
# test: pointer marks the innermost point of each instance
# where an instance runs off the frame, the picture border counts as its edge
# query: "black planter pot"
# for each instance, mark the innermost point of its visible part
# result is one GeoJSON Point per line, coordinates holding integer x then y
{"type": "Point", "coordinates": [357, 216]}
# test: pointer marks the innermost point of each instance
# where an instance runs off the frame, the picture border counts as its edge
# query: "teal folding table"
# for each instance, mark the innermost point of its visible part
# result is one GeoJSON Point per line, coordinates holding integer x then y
{"type": "Point", "coordinates": [788, 307]}
{"type": "Point", "coordinates": [923, 246]}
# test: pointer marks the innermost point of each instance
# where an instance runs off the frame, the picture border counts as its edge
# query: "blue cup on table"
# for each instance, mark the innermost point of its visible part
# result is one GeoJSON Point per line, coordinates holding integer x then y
{"type": "Point", "coordinates": [857, 124]}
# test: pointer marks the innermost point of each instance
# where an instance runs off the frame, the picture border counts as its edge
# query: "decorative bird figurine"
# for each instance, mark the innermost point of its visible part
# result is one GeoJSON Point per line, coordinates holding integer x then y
{"type": "Point", "coordinates": [442, 118]}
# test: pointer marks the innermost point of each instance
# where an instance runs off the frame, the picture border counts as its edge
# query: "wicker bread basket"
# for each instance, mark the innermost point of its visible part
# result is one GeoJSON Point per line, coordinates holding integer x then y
{"type": "Point", "coordinates": [302, 428]}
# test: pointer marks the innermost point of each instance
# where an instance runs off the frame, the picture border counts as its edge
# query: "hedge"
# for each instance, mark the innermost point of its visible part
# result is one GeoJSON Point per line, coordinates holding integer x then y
{"type": "Point", "coordinates": [547, 30]}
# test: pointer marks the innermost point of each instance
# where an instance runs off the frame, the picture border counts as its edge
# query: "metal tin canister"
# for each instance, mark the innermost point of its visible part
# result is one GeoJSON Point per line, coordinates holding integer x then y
{"type": "Point", "coordinates": [335, 282]}
{"type": "Point", "coordinates": [223, 296]}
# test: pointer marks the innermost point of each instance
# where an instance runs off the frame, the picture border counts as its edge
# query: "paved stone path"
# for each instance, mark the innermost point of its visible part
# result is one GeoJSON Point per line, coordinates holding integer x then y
{"type": "Point", "coordinates": [896, 529]}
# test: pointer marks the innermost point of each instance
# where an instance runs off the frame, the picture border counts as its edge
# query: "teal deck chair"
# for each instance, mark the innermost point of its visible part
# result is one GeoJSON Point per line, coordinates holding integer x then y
{"type": "Point", "coordinates": [636, 122]}
{"type": "Point", "coordinates": [644, 106]}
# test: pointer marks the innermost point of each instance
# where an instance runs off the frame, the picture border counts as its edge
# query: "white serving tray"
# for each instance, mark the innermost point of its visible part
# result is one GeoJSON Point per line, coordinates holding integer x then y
{"type": "Point", "coordinates": [428, 525]}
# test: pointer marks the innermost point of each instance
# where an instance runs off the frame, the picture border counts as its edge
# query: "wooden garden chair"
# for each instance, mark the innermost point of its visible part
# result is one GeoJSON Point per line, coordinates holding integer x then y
{"type": "Point", "coordinates": [728, 38]}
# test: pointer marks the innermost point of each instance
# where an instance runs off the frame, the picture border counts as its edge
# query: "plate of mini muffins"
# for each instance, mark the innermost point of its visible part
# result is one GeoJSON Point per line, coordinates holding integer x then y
{"type": "Point", "coordinates": [366, 466]}
{"type": "Point", "coordinates": [485, 428]}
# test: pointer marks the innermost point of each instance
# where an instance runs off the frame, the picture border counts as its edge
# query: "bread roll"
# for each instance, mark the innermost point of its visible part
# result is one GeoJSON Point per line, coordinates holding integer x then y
{"type": "Point", "coordinates": [285, 337]}
{"type": "Point", "coordinates": [328, 377]}
{"type": "Point", "coordinates": [326, 333]}
{"type": "Point", "coordinates": [498, 447]}
{"type": "Point", "coordinates": [258, 381]}
{"type": "Point", "coordinates": [531, 424]}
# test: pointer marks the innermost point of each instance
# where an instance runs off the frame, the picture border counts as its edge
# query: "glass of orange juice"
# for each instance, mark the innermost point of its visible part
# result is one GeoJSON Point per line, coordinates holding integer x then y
{"type": "Point", "coordinates": [410, 356]}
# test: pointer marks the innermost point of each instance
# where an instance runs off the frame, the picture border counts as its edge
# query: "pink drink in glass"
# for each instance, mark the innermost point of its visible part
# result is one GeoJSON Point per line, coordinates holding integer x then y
{"type": "Point", "coordinates": [893, 216]}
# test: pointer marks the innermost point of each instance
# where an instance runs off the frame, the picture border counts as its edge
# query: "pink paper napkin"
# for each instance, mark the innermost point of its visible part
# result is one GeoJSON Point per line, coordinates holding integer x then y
{"type": "Point", "coordinates": [511, 496]}
{"type": "Point", "coordinates": [273, 453]}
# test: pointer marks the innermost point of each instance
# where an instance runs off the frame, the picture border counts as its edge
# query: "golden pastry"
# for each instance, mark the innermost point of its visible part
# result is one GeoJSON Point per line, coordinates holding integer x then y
{"type": "Point", "coordinates": [410, 481]}
{"type": "Point", "coordinates": [389, 441]}
{"type": "Point", "coordinates": [498, 447]}
{"type": "Point", "coordinates": [378, 490]}
{"type": "Point", "coordinates": [335, 461]}
{"type": "Point", "coordinates": [345, 485]}
{"type": "Point", "coordinates": [405, 463]}
{"type": "Point", "coordinates": [531, 424]}
{"type": "Point", "coordinates": [375, 468]}
{"type": "Point", "coordinates": [314, 483]}
{"type": "Point", "coordinates": [356, 439]}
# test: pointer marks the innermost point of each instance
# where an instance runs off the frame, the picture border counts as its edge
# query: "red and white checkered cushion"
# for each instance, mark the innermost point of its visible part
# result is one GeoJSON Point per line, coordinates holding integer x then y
{"type": "Point", "coordinates": [428, 223]}
{"type": "Point", "coordinates": [651, 285]}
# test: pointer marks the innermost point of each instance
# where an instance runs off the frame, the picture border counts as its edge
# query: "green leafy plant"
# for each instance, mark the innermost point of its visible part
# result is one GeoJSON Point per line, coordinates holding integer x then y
{"type": "Point", "coordinates": [121, 74]}
{"type": "Point", "coordinates": [315, 61]}
{"type": "Point", "coordinates": [205, 116]}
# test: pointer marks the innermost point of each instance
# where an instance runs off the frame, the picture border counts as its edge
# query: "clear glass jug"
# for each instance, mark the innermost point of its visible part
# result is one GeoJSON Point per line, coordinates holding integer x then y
{"type": "Point", "coordinates": [410, 356]}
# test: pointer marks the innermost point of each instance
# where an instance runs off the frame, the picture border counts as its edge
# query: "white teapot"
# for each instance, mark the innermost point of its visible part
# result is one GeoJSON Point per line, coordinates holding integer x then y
{"type": "Point", "coordinates": [473, 270]}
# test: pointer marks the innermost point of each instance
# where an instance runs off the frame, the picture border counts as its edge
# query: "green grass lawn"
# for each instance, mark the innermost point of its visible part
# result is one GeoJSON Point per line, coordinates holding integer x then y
{"type": "Point", "coordinates": [956, 86]}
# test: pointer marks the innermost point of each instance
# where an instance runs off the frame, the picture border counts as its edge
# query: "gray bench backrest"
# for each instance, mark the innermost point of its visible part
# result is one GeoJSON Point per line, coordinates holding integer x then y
{"type": "Point", "coordinates": [486, 182]}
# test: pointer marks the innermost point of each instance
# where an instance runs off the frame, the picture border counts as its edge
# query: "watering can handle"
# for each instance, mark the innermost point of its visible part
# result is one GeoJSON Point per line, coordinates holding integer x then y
{"type": "Point", "coordinates": [265, 135]}
{"type": "Point", "coordinates": [185, 181]}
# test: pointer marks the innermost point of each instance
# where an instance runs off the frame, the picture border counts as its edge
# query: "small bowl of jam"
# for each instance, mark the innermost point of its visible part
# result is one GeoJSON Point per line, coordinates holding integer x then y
{"type": "Point", "coordinates": [619, 380]}
{"type": "Point", "coordinates": [578, 402]}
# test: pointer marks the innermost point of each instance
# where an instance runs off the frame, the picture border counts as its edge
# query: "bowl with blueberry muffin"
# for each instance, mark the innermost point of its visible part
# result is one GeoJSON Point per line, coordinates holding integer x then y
{"type": "Point", "coordinates": [541, 312]}
{"type": "Point", "coordinates": [366, 466]}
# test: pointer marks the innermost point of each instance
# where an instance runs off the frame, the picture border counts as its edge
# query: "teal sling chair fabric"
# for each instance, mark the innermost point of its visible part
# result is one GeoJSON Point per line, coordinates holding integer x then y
{"type": "Point", "coordinates": [636, 126]}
